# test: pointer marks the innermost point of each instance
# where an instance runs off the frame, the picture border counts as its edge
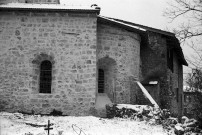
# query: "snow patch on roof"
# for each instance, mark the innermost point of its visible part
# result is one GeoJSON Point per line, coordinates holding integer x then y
{"type": "Point", "coordinates": [136, 27]}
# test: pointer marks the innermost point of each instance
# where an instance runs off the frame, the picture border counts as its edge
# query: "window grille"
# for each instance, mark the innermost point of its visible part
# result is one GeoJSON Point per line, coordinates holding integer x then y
{"type": "Point", "coordinates": [101, 81]}
{"type": "Point", "coordinates": [45, 76]}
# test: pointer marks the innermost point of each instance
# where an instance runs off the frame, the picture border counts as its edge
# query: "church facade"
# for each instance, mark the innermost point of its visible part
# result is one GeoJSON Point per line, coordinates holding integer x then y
{"type": "Point", "coordinates": [75, 61]}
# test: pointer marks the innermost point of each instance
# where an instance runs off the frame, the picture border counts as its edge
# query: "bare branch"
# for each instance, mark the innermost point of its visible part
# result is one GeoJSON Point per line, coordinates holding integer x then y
{"type": "Point", "coordinates": [189, 12]}
{"type": "Point", "coordinates": [183, 7]}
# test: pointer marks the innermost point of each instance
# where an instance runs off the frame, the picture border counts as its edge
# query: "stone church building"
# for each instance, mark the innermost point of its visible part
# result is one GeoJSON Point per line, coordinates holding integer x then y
{"type": "Point", "coordinates": [76, 61]}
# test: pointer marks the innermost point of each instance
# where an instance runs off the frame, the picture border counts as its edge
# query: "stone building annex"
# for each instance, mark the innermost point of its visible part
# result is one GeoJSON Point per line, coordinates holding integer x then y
{"type": "Point", "coordinates": [76, 61]}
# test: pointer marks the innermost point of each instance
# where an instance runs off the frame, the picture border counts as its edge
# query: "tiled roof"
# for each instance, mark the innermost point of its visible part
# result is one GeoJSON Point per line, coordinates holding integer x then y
{"type": "Point", "coordinates": [50, 7]}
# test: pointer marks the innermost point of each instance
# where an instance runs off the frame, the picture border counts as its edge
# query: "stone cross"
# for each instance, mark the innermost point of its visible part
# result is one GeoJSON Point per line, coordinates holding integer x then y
{"type": "Point", "coordinates": [48, 127]}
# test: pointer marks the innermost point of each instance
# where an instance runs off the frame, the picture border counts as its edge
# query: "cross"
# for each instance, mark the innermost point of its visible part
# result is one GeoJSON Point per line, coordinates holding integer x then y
{"type": "Point", "coordinates": [48, 127]}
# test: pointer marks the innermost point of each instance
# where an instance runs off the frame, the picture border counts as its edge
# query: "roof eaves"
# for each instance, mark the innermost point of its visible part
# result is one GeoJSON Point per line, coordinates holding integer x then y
{"type": "Point", "coordinates": [145, 27]}
{"type": "Point", "coordinates": [121, 23]}
{"type": "Point", "coordinates": [47, 7]}
{"type": "Point", "coordinates": [178, 49]}
{"type": "Point", "coordinates": [181, 55]}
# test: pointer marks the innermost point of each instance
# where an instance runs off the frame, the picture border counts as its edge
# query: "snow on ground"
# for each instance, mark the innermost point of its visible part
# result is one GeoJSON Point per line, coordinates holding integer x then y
{"type": "Point", "coordinates": [19, 124]}
{"type": "Point", "coordinates": [138, 108]}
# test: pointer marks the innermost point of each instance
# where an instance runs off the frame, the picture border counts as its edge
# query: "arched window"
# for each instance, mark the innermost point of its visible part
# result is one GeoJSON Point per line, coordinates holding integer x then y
{"type": "Point", "coordinates": [101, 81]}
{"type": "Point", "coordinates": [45, 76]}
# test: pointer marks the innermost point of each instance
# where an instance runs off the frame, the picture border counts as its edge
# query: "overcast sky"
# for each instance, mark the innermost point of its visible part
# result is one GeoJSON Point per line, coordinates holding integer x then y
{"type": "Point", "coordinates": [145, 12]}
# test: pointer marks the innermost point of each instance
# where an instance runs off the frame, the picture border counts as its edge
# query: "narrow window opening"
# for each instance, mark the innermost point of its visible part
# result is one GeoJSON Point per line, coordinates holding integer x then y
{"type": "Point", "coordinates": [101, 81]}
{"type": "Point", "coordinates": [185, 110]}
{"type": "Point", "coordinates": [170, 59]}
{"type": "Point", "coordinates": [177, 94]}
{"type": "Point", "coordinates": [45, 76]}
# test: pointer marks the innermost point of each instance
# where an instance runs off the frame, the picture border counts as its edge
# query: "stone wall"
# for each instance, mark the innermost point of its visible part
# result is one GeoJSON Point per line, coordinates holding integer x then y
{"type": "Point", "coordinates": [153, 57]}
{"type": "Point", "coordinates": [68, 41]}
{"type": "Point", "coordinates": [175, 80]}
{"type": "Point", "coordinates": [122, 48]}
{"type": "Point", "coordinates": [154, 64]}
{"type": "Point", "coordinates": [154, 67]}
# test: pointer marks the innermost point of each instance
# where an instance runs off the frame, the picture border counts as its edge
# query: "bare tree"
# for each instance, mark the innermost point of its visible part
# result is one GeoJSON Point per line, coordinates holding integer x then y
{"type": "Point", "coordinates": [188, 13]}
{"type": "Point", "coordinates": [194, 81]}
{"type": "Point", "coordinates": [191, 12]}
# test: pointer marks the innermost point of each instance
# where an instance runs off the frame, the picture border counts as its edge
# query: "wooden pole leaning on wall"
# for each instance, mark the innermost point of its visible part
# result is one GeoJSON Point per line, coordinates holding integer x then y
{"type": "Point", "coordinates": [147, 95]}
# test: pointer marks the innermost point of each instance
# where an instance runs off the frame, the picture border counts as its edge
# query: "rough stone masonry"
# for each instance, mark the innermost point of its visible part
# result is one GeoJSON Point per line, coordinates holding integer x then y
{"type": "Point", "coordinates": [69, 42]}
{"type": "Point", "coordinates": [86, 53]}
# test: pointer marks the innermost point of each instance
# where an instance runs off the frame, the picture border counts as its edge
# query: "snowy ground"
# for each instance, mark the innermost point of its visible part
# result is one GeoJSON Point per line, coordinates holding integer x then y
{"type": "Point", "coordinates": [19, 124]}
